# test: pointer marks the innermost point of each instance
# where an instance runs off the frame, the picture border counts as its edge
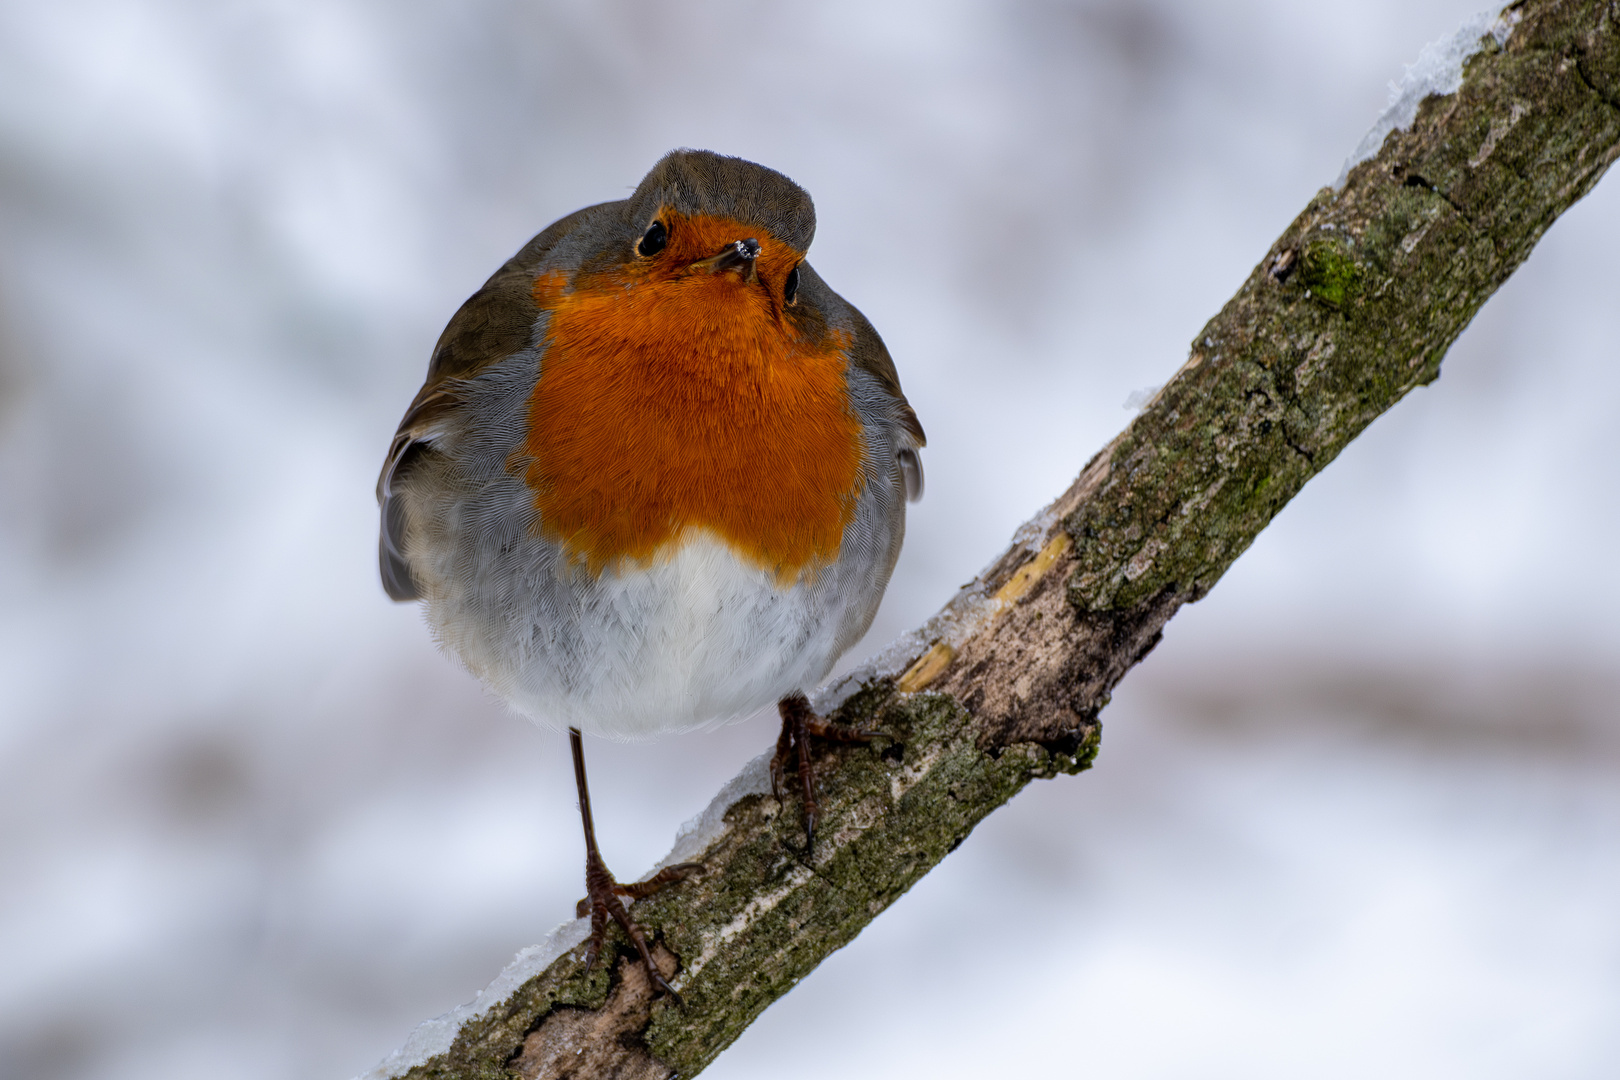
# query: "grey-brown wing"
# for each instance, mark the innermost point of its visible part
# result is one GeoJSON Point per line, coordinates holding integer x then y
{"type": "Point", "coordinates": [495, 322]}
{"type": "Point", "coordinates": [867, 352]}
{"type": "Point", "coordinates": [421, 425]}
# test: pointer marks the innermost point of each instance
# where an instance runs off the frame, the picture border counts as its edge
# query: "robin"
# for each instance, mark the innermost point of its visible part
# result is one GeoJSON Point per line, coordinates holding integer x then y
{"type": "Point", "coordinates": [656, 478]}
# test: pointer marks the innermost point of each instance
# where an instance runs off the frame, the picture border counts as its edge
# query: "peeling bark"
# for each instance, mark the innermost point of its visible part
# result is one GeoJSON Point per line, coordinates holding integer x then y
{"type": "Point", "coordinates": [1354, 305]}
{"type": "Point", "coordinates": [578, 1042]}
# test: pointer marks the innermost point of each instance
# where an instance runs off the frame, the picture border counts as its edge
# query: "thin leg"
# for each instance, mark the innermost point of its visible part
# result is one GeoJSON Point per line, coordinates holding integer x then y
{"type": "Point", "coordinates": [602, 892]}
{"type": "Point", "coordinates": [799, 725]}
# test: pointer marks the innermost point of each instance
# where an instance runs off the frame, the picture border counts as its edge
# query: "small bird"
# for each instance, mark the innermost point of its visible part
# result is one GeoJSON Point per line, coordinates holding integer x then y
{"type": "Point", "coordinates": [656, 478]}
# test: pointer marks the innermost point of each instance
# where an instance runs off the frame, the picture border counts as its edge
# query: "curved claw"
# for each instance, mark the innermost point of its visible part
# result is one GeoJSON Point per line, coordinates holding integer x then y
{"type": "Point", "coordinates": [799, 725]}
{"type": "Point", "coordinates": [663, 986]}
{"type": "Point", "coordinates": [602, 903]}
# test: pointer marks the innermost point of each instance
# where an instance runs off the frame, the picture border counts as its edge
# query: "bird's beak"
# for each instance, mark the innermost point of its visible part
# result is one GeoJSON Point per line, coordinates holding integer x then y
{"type": "Point", "coordinates": [738, 255]}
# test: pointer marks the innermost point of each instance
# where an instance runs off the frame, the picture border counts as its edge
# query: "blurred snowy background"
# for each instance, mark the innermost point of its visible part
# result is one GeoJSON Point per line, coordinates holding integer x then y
{"type": "Point", "coordinates": [1358, 815]}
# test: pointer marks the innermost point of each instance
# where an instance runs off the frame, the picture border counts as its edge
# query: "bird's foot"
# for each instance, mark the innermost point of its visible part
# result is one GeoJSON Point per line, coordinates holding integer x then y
{"type": "Point", "coordinates": [602, 901]}
{"type": "Point", "coordinates": [799, 725]}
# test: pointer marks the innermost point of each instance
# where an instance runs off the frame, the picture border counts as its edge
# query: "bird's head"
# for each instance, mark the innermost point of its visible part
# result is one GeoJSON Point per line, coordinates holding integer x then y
{"type": "Point", "coordinates": [714, 237]}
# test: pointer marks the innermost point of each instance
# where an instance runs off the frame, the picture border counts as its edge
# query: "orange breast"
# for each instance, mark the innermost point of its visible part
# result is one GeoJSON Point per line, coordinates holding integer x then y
{"type": "Point", "coordinates": [673, 402]}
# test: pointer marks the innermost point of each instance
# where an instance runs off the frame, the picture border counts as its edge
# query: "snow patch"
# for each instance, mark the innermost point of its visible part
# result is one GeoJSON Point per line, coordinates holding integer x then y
{"type": "Point", "coordinates": [1137, 400]}
{"type": "Point", "coordinates": [433, 1037]}
{"type": "Point", "coordinates": [1438, 70]}
{"type": "Point", "coordinates": [693, 838]}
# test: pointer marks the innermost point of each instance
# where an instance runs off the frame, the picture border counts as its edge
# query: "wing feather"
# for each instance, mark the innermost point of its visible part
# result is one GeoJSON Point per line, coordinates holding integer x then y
{"type": "Point", "coordinates": [495, 322]}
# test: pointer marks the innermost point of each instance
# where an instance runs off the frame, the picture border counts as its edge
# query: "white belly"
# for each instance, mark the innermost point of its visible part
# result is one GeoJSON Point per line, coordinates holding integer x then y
{"type": "Point", "coordinates": [696, 639]}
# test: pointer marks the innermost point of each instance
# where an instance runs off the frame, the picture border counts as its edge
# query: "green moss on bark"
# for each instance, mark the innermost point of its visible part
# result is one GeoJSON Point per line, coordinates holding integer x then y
{"type": "Point", "coordinates": [1329, 273]}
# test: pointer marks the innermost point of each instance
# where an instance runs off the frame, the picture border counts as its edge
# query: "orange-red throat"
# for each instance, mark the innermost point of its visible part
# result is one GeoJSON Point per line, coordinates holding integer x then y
{"type": "Point", "coordinates": [672, 398]}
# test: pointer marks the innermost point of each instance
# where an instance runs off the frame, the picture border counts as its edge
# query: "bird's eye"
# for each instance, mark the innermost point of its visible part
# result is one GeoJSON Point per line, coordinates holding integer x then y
{"type": "Point", "coordinates": [653, 240]}
{"type": "Point", "coordinates": [790, 290]}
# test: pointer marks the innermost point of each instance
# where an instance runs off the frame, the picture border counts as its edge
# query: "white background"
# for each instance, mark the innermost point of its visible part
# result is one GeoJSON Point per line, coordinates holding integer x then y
{"type": "Point", "coordinates": [1357, 815]}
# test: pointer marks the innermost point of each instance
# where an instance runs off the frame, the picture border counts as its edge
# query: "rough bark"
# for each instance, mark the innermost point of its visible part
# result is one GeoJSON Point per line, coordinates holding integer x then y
{"type": "Point", "coordinates": [1354, 305]}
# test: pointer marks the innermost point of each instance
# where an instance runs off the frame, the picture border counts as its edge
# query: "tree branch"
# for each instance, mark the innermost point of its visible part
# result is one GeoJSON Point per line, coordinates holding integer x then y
{"type": "Point", "coordinates": [1355, 304]}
